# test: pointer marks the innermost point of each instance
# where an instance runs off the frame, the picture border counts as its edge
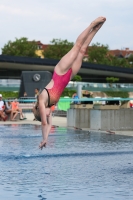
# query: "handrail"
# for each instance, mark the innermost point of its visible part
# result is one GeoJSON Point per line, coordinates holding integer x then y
{"type": "Point", "coordinates": [32, 100]}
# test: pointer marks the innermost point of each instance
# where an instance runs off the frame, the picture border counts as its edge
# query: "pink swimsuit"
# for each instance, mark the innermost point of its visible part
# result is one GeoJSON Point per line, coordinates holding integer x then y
{"type": "Point", "coordinates": [60, 82]}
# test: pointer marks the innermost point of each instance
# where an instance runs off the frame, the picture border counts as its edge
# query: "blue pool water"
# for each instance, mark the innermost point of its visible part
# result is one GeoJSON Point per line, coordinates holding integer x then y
{"type": "Point", "coordinates": [74, 165]}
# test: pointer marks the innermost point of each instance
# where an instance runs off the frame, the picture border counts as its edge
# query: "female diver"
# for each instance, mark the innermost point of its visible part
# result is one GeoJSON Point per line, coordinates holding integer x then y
{"type": "Point", "coordinates": [64, 71]}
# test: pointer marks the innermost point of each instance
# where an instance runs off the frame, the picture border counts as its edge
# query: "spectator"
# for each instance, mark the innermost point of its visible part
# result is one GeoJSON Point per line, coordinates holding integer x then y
{"type": "Point", "coordinates": [15, 107]}
{"type": "Point", "coordinates": [8, 110]}
{"type": "Point", "coordinates": [2, 109]}
{"type": "Point", "coordinates": [25, 94]}
{"type": "Point", "coordinates": [87, 95]}
{"type": "Point", "coordinates": [36, 92]}
{"type": "Point", "coordinates": [75, 97]}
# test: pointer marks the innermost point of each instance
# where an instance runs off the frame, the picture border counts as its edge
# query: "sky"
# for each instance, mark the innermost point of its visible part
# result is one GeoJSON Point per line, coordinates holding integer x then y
{"type": "Point", "coordinates": [45, 20]}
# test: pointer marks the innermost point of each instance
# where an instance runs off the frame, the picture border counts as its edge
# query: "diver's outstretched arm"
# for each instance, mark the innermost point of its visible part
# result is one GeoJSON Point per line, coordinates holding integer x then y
{"type": "Point", "coordinates": [46, 130]}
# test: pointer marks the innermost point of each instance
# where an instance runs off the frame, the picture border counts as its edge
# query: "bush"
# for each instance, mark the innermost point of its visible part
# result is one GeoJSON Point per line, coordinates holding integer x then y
{"type": "Point", "coordinates": [68, 92]}
{"type": "Point", "coordinates": [9, 94]}
{"type": "Point", "coordinates": [112, 79]}
{"type": "Point", "coordinates": [77, 78]}
{"type": "Point", "coordinates": [117, 94]}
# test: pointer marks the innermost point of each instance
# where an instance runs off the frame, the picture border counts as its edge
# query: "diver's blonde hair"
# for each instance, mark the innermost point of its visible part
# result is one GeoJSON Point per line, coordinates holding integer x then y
{"type": "Point", "coordinates": [36, 112]}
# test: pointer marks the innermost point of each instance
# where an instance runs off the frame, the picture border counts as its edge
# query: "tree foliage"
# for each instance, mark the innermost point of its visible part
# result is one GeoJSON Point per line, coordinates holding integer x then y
{"type": "Point", "coordinates": [117, 94]}
{"type": "Point", "coordinates": [112, 79]}
{"type": "Point", "coordinates": [120, 62]}
{"type": "Point", "coordinates": [99, 53]}
{"type": "Point", "coordinates": [68, 92]}
{"type": "Point", "coordinates": [57, 49]}
{"type": "Point", "coordinates": [20, 47]}
{"type": "Point", "coordinates": [130, 58]}
{"type": "Point", "coordinates": [9, 94]}
{"type": "Point", "coordinates": [77, 78]}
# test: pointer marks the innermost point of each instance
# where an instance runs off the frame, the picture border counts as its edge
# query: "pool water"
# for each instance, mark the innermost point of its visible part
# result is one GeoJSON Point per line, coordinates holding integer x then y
{"type": "Point", "coordinates": [74, 165]}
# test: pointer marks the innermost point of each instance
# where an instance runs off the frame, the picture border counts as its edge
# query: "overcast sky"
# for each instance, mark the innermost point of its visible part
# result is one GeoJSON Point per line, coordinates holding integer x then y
{"type": "Point", "coordinates": [65, 19]}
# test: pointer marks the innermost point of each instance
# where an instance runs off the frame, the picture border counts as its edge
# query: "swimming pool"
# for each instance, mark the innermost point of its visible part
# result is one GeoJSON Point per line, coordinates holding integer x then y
{"type": "Point", "coordinates": [74, 165]}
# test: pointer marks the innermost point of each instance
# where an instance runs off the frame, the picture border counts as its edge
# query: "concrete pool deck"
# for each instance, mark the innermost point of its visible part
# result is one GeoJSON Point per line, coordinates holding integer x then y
{"type": "Point", "coordinates": [62, 122]}
{"type": "Point", "coordinates": [57, 121]}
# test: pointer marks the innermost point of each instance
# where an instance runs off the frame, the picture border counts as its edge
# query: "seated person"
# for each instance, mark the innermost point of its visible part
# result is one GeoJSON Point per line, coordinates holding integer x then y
{"type": "Point", "coordinates": [87, 95]}
{"type": "Point", "coordinates": [8, 110]}
{"type": "Point", "coordinates": [15, 107]}
{"type": "Point", "coordinates": [75, 97]}
{"type": "Point", "coordinates": [25, 94]}
{"type": "Point", "coordinates": [2, 109]}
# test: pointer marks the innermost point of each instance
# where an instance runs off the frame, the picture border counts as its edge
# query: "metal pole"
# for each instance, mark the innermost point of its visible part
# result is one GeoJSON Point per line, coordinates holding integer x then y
{"type": "Point", "coordinates": [79, 89]}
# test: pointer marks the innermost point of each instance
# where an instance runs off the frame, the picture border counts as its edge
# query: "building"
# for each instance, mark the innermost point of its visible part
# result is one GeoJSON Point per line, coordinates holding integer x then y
{"type": "Point", "coordinates": [41, 48]}
{"type": "Point", "coordinates": [123, 53]}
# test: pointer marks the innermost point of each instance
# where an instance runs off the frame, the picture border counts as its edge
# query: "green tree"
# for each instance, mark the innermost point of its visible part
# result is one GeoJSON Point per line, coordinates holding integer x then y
{"type": "Point", "coordinates": [68, 92]}
{"type": "Point", "coordinates": [99, 53]}
{"type": "Point", "coordinates": [117, 94]}
{"type": "Point", "coordinates": [20, 47]}
{"type": "Point", "coordinates": [57, 49]}
{"type": "Point", "coordinates": [112, 79]}
{"type": "Point", "coordinates": [77, 78]}
{"type": "Point", "coordinates": [120, 62]}
{"type": "Point", "coordinates": [9, 94]}
{"type": "Point", "coordinates": [130, 59]}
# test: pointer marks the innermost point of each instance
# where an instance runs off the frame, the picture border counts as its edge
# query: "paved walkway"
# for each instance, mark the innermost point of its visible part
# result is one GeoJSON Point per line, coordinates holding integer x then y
{"type": "Point", "coordinates": [126, 133]}
{"type": "Point", "coordinates": [57, 121]}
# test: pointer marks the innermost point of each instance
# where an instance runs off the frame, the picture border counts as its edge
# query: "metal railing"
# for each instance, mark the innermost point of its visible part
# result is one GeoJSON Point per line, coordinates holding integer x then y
{"type": "Point", "coordinates": [33, 99]}
{"type": "Point", "coordinates": [27, 103]}
{"type": "Point", "coordinates": [9, 83]}
{"type": "Point", "coordinates": [16, 83]}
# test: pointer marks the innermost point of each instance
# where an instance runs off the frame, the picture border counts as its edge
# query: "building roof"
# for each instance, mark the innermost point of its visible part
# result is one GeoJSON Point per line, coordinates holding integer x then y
{"type": "Point", "coordinates": [121, 53]}
{"type": "Point", "coordinates": [41, 45]}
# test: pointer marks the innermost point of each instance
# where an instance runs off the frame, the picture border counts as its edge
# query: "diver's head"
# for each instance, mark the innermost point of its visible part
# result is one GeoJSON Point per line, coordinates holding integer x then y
{"type": "Point", "coordinates": [37, 113]}
{"type": "Point", "coordinates": [36, 108]}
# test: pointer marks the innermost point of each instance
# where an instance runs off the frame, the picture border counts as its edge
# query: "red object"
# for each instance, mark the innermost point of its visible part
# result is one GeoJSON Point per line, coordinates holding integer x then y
{"type": "Point", "coordinates": [131, 105]}
{"type": "Point", "coordinates": [60, 82]}
{"type": "Point", "coordinates": [52, 108]}
{"type": "Point", "coordinates": [5, 118]}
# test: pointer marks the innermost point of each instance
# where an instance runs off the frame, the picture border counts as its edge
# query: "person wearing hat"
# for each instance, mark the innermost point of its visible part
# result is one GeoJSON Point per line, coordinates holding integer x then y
{"type": "Point", "coordinates": [87, 94]}
{"type": "Point", "coordinates": [2, 108]}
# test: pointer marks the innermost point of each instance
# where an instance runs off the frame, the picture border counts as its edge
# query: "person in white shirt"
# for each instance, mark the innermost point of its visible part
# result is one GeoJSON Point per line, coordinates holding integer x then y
{"type": "Point", "coordinates": [2, 108]}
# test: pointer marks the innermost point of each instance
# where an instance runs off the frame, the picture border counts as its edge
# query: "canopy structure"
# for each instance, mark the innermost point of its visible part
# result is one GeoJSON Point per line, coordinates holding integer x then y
{"type": "Point", "coordinates": [11, 67]}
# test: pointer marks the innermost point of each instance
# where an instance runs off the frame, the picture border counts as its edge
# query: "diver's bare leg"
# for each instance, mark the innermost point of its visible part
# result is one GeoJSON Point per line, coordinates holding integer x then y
{"type": "Point", "coordinates": [78, 62]}
{"type": "Point", "coordinates": [67, 61]}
